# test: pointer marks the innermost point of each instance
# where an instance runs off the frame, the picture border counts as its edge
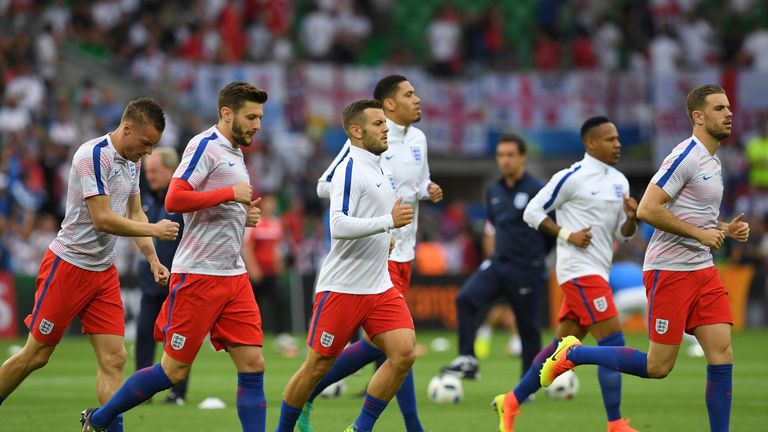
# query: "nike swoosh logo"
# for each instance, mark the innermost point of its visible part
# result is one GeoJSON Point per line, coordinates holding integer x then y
{"type": "Point", "coordinates": [231, 164]}
{"type": "Point", "coordinates": [389, 157]}
{"type": "Point", "coordinates": [525, 290]}
{"type": "Point", "coordinates": [554, 356]}
{"type": "Point", "coordinates": [595, 192]}
{"type": "Point", "coordinates": [707, 177]}
{"type": "Point", "coordinates": [378, 184]}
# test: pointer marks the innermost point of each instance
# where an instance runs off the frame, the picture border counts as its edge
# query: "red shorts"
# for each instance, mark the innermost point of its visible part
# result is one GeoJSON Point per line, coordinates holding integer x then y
{"type": "Point", "coordinates": [400, 273]}
{"type": "Point", "coordinates": [683, 300]}
{"type": "Point", "coordinates": [336, 316]}
{"type": "Point", "coordinates": [587, 300]}
{"type": "Point", "coordinates": [64, 290]}
{"type": "Point", "coordinates": [199, 304]}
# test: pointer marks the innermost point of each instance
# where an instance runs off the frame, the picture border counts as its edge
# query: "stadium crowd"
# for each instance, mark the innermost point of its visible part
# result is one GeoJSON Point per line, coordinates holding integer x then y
{"type": "Point", "coordinates": [43, 120]}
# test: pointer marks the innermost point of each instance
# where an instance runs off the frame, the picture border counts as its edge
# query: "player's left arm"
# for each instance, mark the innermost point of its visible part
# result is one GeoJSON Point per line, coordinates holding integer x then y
{"type": "Point", "coordinates": [628, 218]}
{"type": "Point", "coordinates": [146, 246]}
{"type": "Point", "coordinates": [427, 188]}
{"type": "Point", "coordinates": [736, 229]}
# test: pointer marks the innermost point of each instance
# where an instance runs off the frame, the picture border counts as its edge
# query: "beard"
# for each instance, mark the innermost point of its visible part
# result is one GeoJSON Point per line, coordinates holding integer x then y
{"type": "Point", "coordinates": [373, 145]}
{"type": "Point", "coordinates": [718, 133]}
{"type": "Point", "coordinates": [239, 135]}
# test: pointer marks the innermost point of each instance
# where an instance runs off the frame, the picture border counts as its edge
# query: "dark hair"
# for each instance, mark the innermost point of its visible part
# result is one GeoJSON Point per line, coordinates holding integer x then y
{"type": "Point", "coordinates": [235, 94]}
{"type": "Point", "coordinates": [522, 147]}
{"type": "Point", "coordinates": [144, 111]}
{"type": "Point", "coordinates": [353, 112]}
{"type": "Point", "coordinates": [592, 123]}
{"type": "Point", "coordinates": [387, 87]}
{"type": "Point", "coordinates": [697, 97]}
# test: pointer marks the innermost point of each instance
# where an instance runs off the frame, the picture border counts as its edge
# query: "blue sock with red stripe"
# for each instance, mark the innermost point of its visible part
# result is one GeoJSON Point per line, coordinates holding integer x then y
{"type": "Point", "coordinates": [530, 381]}
{"type": "Point", "coordinates": [610, 380]}
{"type": "Point", "coordinates": [718, 396]}
{"type": "Point", "coordinates": [251, 403]}
{"type": "Point", "coordinates": [288, 417]}
{"type": "Point", "coordinates": [350, 361]}
{"type": "Point", "coordinates": [116, 425]}
{"type": "Point", "coordinates": [623, 359]}
{"type": "Point", "coordinates": [406, 400]}
{"type": "Point", "coordinates": [140, 386]}
{"type": "Point", "coordinates": [372, 409]}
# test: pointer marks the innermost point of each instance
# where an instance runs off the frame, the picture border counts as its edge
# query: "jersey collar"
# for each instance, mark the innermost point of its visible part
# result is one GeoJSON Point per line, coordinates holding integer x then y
{"type": "Point", "coordinates": [594, 163]}
{"type": "Point", "coordinates": [363, 155]}
{"type": "Point", "coordinates": [397, 129]}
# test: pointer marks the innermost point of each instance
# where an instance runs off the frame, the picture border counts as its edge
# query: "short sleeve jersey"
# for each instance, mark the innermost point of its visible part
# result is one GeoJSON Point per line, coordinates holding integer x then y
{"type": "Point", "coordinates": [213, 237]}
{"type": "Point", "coordinates": [692, 177]}
{"type": "Point", "coordinates": [97, 169]}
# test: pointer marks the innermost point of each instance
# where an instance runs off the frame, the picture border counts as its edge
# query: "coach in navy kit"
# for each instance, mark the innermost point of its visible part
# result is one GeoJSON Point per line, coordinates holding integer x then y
{"type": "Point", "coordinates": [158, 168]}
{"type": "Point", "coordinates": [516, 269]}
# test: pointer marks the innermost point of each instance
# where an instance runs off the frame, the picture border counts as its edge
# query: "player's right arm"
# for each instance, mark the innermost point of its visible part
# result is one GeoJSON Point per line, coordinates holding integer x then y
{"type": "Point", "coordinates": [325, 182]}
{"type": "Point", "coordinates": [93, 171]}
{"type": "Point", "coordinates": [669, 181]}
{"type": "Point", "coordinates": [104, 220]}
{"type": "Point", "coordinates": [345, 198]}
{"type": "Point", "coordinates": [549, 198]}
{"type": "Point", "coordinates": [652, 209]}
{"type": "Point", "coordinates": [184, 194]}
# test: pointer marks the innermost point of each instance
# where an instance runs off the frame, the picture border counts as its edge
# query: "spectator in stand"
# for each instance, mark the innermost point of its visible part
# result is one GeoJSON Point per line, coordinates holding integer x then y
{"type": "Point", "coordinates": [754, 50]}
{"type": "Point", "coordinates": [665, 52]}
{"type": "Point", "coordinates": [317, 33]}
{"type": "Point", "coordinates": [444, 37]}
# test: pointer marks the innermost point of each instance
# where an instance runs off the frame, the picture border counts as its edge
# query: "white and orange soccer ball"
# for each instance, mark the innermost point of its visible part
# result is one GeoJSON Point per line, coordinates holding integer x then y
{"type": "Point", "coordinates": [564, 387]}
{"type": "Point", "coordinates": [445, 389]}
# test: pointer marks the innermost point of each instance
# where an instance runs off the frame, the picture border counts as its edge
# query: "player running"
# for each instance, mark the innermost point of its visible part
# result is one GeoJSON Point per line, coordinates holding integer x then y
{"type": "Point", "coordinates": [77, 275]}
{"type": "Point", "coordinates": [685, 293]}
{"type": "Point", "coordinates": [593, 208]}
{"type": "Point", "coordinates": [210, 291]}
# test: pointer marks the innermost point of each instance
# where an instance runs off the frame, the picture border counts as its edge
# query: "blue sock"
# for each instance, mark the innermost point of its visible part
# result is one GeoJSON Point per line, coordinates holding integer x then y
{"type": "Point", "coordinates": [406, 399]}
{"type": "Point", "coordinates": [718, 395]}
{"type": "Point", "coordinates": [372, 409]}
{"type": "Point", "coordinates": [140, 386]}
{"type": "Point", "coordinates": [2, 398]}
{"type": "Point", "coordinates": [530, 381]}
{"type": "Point", "coordinates": [610, 380]}
{"type": "Point", "coordinates": [623, 359]}
{"type": "Point", "coordinates": [116, 425]}
{"type": "Point", "coordinates": [251, 403]}
{"type": "Point", "coordinates": [350, 361]}
{"type": "Point", "coordinates": [288, 417]}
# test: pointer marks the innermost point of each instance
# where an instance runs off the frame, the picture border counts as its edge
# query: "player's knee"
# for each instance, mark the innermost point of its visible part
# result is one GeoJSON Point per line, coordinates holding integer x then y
{"type": "Point", "coordinates": [721, 353]}
{"type": "Point", "coordinates": [177, 373]}
{"type": "Point", "coordinates": [403, 359]}
{"type": "Point", "coordinates": [659, 369]}
{"type": "Point", "coordinates": [37, 360]}
{"type": "Point", "coordinates": [254, 364]}
{"type": "Point", "coordinates": [115, 361]}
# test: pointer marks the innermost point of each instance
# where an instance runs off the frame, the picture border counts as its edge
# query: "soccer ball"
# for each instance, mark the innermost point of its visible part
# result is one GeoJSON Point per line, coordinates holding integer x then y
{"type": "Point", "coordinates": [563, 387]}
{"type": "Point", "coordinates": [445, 389]}
{"type": "Point", "coordinates": [334, 390]}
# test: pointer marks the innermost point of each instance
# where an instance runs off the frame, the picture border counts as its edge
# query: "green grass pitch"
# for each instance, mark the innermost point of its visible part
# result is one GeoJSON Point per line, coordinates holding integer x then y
{"type": "Point", "coordinates": [51, 399]}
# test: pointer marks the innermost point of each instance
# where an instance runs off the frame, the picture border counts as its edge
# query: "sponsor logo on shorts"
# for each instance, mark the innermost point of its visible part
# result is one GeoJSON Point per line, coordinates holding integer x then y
{"type": "Point", "coordinates": [178, 341]}
{"type": "Point", "coordinates": [326, 339]}
{"type": "Point", "coordinates": [45, 327]}
{"type": "Point", "coordinates": [601, 304]}
{"type": "Point", "coordinates": [661, 325]}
